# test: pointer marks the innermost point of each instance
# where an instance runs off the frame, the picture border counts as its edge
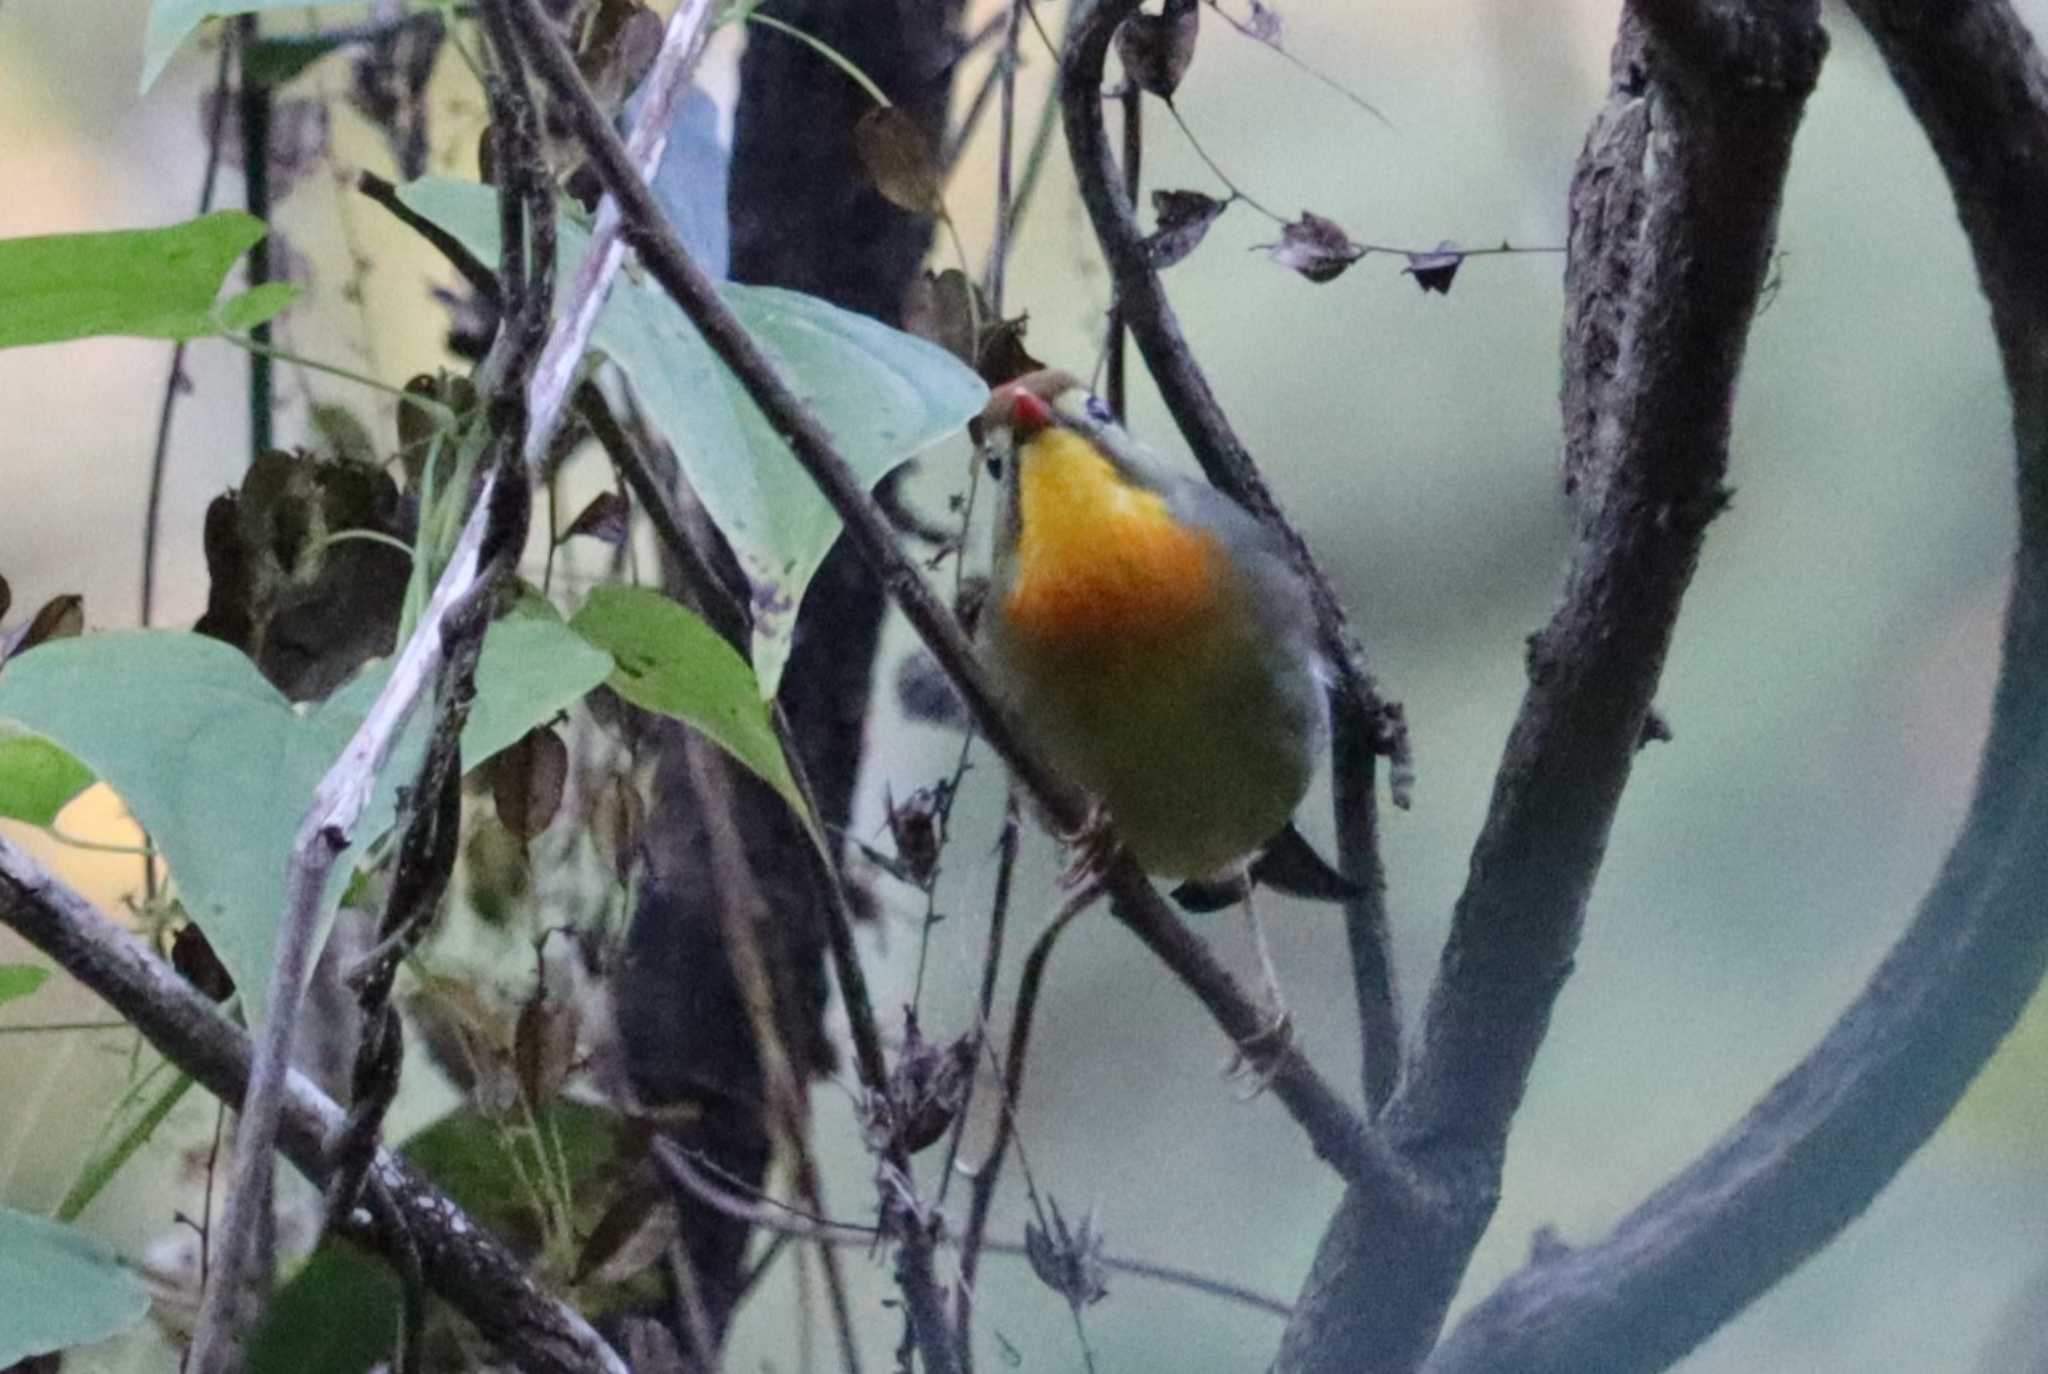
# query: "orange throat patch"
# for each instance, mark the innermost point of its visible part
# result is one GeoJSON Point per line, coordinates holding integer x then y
{"type": "Point", "coordinates": [1101, 562]}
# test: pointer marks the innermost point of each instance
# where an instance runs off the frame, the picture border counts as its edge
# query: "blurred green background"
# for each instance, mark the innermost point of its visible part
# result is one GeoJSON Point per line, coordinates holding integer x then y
{"type": "Point", "coordinates": [1828, 688]}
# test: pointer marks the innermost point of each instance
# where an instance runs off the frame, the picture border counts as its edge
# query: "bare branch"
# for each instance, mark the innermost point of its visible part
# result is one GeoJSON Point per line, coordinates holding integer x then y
{"type": "Point", "coordinates": [463, 1263]}
{"type": "Point", "coordinates": [1015, 1056]}
{"type": "Point", "coordinates": [450, 629]}
{"type": "Point", "coordinates": [1333, 1128]}
{"type": "Point", "coordinates": [1819, 1146]}
{"type": "Point", "coordinates": [554, 376]}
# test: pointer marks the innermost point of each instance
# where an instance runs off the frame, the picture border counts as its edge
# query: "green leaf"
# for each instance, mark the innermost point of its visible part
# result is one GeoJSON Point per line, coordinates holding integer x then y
{"type": "Point", "coordinates": [885, 396]}
{"type": "Point", "coordinates": [19, 980]}
{"type": "Point", "coordinates": [339, 1314]}
{"type": "Point", "coordinates": [171, 22]}
{"type": "Point", "coordinates": [150, 283]}
{"type": "Point", "coordinates": [276, 58]}
{"type": "Point", "coordinates": [37, 779]}
{"type": "Point", "coordinates": [259, 303]}
{"type": "Point", "coordinates": [219, 767]}
{"type": "Point", "coordinates": [671, 662]}
{"type": "Point", "coordinates": [63, 1289]}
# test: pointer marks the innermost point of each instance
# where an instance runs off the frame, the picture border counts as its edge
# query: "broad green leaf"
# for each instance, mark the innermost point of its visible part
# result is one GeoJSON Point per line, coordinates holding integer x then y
{"type": "Point", "coordinates": [19, 980]}
{"type": "Point", "coordinates": [885, 396]}
{"type": "Point", "coordinates": [150, 283]}
{"type": "Point", "coordinates": [37, 778]}
{"type": "Point", "coordinates": [171, 22]}
{"type": "Point", "coordinates": [339, 1314]}
{"type": "Point", "coordinates": [63, 1289]}
{"type": "Point", "coordinates": [671, 662]}
{"type": "Point", "coordinates": [219, 767]}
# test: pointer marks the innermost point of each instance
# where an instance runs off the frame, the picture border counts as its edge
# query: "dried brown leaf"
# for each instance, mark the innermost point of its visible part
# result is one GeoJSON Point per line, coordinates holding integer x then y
{"type": "Point", "coordinates": [937, 308]}
{"type": "Point", "coordinates": [914, 828]}
{"type": "Point", "coordinates": [608, 517]}
{"type": "Point", "coordinates": [1263, 23]}
{"type": "Point", "coordinates": [192, 955]}
{"type": "Point", "coordinates": [1435, 270]}
{"type": "Point", "coordinates": [1068, 1260]}
{"type": "Point", "coordinates": [544, 1045]}
{"type": "Point", "coordinates": [947, 309]}
{"type": "Point", "coordinates": [925, 1092]}
{"type": "Point", "coordinates": [1003, 355]}
{"type": "Point", "coordinates": [899, 158]}
{"type": "Point", "coordinates": [527, 782]}
{"type": "Point", "coordinates": [617, 820]}
{"type": "Point", "coordinates": [1183, 219]}
{"type": "Point", "coordinates": [62, 617]}
{"type": "Point", "coordinates": [1155, 49]}
{"type": "Point", "coordinates": [468, 1039]}
{"type": "Point", "coordinates": [1317, 248]}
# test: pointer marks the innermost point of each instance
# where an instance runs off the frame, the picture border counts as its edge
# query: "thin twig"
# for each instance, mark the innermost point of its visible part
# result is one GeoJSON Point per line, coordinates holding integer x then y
{"type": "Point", "coordinates": [175, 382]}
{"type": "Point", "coordinates": [1265, 41]}
{"type": "Point", "coordinates": [786, 1224]}
{"type": "Point", "coordinates": [253, 112]}
{"type": "Point", "coordinates": [1041, 136]}
{"type": "Point", "coordinates": [1015, 1056]}
{"type": "Point", "coordinates": [462, 1261]}
{"type": "Point", "coordinates": [555, 375]}
{"type": "Point", "coordinates": [1006, 137]}
{"type": "Point", "coordinates": [1132, 102]}
{"type": "Point", "coordinates": [1007, 845]}
{"type": "Point", "coordinates": [742, 912]}
{"type": "Point", "coordinates": [1332, 1126]}
{"type": "Point", "coordinates": [1236, 192]}
{"type": "Point", "coordinates": [720, 604]}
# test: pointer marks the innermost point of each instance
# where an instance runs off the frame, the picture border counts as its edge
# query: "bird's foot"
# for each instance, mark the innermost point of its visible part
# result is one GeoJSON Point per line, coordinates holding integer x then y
{"type": "Point", "coordinates": [1257, 1057]}
{"type": "Point", "coordinates": [1094, 848]}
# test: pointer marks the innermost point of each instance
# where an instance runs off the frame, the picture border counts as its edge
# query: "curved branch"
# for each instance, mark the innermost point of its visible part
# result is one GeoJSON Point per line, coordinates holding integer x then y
{"type": "Point", "coordinates": [1820, 1145]}
{"type": "Point", "coordinates": [1365, 726]}
{"type": "Point", "coordinates": [1667, 254]}
{"type": "Point", "coordinates": [461, 1261]}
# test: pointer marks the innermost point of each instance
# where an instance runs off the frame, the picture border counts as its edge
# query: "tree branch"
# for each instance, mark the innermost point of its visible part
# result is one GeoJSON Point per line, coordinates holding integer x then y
{"type": "Point", "coordinates": [463, 1263]}
{"type": "Point", "coordinates": [1667, 254]}
{"type": "Point", "coordinates": [554, 376]}
{"type": "Point", "coordinates": [1359, 714]}
{"type": "Point", "coordinates": [1333, 1128]}
{"type": "Point", "coordinates": [452, 625]}
{"type": "Point", "coordinates": [1820, 1145]}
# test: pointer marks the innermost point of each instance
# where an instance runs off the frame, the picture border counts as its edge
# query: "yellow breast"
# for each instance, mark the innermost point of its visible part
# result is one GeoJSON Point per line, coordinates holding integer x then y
{"type": "Point", "coordinates": [1101, 562]}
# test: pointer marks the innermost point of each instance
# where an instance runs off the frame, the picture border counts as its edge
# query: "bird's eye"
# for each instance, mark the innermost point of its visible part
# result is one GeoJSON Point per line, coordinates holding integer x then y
{"type": "Point", "coordinates": [1099, 411]}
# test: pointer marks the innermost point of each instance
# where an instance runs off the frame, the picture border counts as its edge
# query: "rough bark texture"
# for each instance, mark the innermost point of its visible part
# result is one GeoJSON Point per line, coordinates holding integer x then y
{"type": "Point", "coordinates": [1673, 216]}
{"type": "Point", "coordinates": [460, 1261]}
{"type": "Point", "coordinates": [1820, 1145]}
{"type": "Point", "coordinates": [803, 216]}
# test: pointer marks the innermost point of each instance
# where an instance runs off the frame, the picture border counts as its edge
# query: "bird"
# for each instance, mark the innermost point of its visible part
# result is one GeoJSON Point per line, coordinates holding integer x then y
{"type": "Point", "coordinates": [1157, 642]}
